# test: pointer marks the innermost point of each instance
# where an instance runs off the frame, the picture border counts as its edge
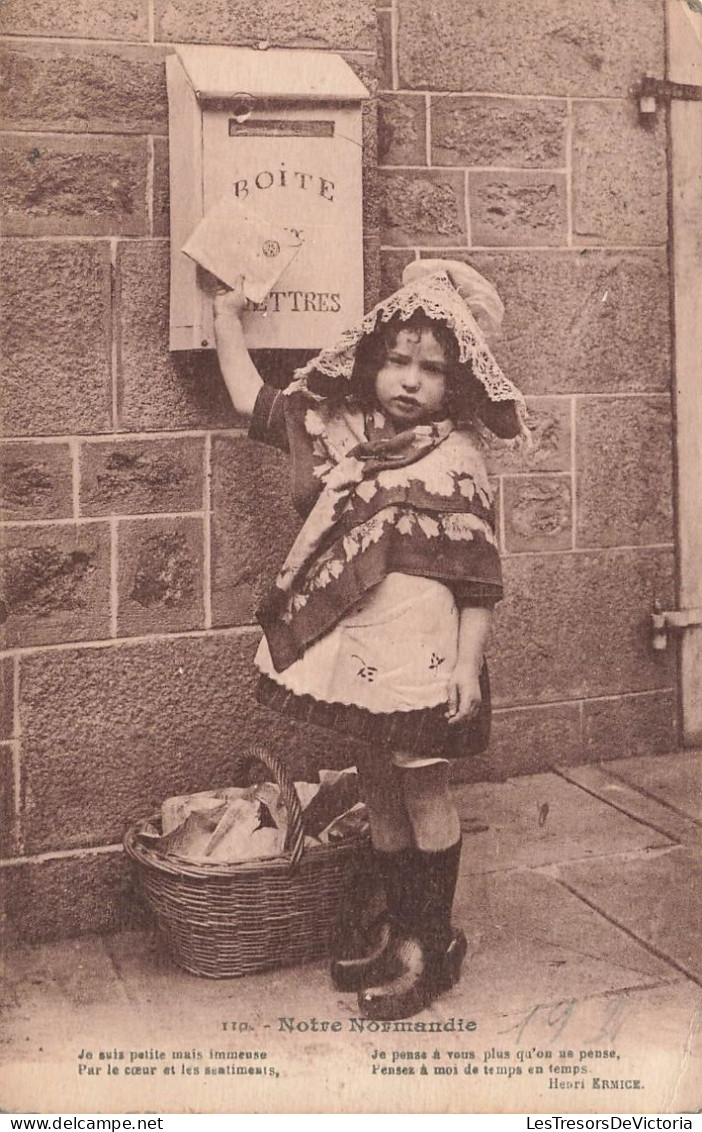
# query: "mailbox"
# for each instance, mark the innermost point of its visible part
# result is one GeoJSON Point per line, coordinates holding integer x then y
{"type": "Point", "coordinates": [276, 133]}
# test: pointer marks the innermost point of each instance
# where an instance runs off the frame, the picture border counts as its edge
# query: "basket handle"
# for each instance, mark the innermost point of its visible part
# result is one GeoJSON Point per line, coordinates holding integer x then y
{"type": "Point", "coordinates": [295, 837]}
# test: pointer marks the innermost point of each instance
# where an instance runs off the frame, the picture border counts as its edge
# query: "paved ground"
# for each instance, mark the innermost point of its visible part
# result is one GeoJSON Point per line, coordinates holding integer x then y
{"type": "Point", "coordinates": [581, 992]}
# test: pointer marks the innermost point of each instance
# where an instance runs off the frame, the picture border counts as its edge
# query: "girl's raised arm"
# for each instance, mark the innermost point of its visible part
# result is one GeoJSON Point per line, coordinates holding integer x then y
{"type": "Point", "coordinates": [241, 377]}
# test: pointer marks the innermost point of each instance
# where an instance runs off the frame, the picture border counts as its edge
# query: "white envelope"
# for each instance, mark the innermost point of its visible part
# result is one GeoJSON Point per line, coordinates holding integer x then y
{"type": "Point", "coordinates": [230, 241]}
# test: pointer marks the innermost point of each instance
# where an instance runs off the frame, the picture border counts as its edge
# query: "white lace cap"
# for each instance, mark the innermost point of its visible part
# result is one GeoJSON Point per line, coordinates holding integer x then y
{"type": "Point", "coordinates": [433, 286]}
{"type": "Point", "coordinates": [477, 292]}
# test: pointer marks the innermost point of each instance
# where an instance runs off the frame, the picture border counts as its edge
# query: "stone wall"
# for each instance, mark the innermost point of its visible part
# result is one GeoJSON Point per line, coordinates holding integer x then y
{"type": "Point", "coordinates": [132, 503]}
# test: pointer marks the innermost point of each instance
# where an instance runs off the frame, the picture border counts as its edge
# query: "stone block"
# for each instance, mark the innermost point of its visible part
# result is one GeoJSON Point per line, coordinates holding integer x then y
{"type": "Point", "coordinates": [130, 477]}
{"type": "Point", "coordinates": [517, 208]}
{"type": "Point", "coordinates": [55, 300]}
{"type": "Point", "coordinates": [523, 133]}
{"type": "Point", "coordinates": [626, 726]}
{"type": "Point", "coordinates": [392, 264]}
{"type": "Point", "coordinates": [63, 981]}
{"type": "Point", "coordinates": [65, 186]}
{"type": "Point", "coordinates": [327, 24]}
{"type": "Point", "coordinates": [70, 896]}
{"type": "Point", "coordinates": [539, 820]}
{"type": "Point", "coordinates": [385, 50]}
{"type": "Point", "coordinates": [160, 575]}
{"type": "Point", "coordinates": [673, 781]}
{"type": "Point", "coordinates": [81, 87]}
{"type": "Point", "coordinates": [175, 715]}
{"type": "Point", "coordinates": [372, 189]}
{"type": "Point", "coordinates": [602, 781]}
{"type": "Point", "coordinates": [538, 513]}
{"type": "Point", "coordinates": [161, 200]}
{"type": "Point", "coordinates": [159, 389]}
{"type": "Point", "coordinates": [82, 19]}
{"type": "Point", "coordinates": [253, 525]}
{"type": "Point", "coordinates": [541, 956]}
{"type": "Point", "coordinates": [619, 175]}
{"type": "Point", "coordinates": [579, 322]}
{"type": "Point", "coordinates": [549, 424]}
{"type": "Point", "coordinates": [59, 983]}
{"type": "Point", "coordinates": [624, 471]}
{"type": "Point", "coordinates": [578, 625]}
{"type": "Point", "coordinates": [36, 481]}
{"type": "Point", "coordinates": [423, 208]}
{"type": "Point", "coordinates": [7, 799]}
{"type": "Point", "coordinates": [371, 270]}
{"type": "Point", "coordinates": [654, 897]}
{"type": "Point", "coordinates": [7, 697]}
{"type": "Point", "coordinates": [57, 584]}
{"type": "Point", "coordinates": [601, 48]}
{"type": "Point", "coordinates": [525, 741]}
{"type": "Point", "coordinates": [402, 130]}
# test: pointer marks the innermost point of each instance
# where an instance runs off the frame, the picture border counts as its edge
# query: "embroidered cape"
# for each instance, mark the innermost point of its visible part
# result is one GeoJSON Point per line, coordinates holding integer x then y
{"type": "Point", "coordinates": [418, 502]}
{"type": "Point", "coordinates": [415, 502]}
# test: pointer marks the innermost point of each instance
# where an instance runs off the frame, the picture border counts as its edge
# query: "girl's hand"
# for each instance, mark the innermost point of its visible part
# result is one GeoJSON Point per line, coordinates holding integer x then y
{"type": "Point", "coordinates": [230, 301]}
{"type": "Point", "coordinates": [463, 694]}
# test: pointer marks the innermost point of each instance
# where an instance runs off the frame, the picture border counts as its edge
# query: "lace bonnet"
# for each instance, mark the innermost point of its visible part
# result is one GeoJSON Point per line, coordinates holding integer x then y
{"type": "Point", "coordinates": [449, 291]}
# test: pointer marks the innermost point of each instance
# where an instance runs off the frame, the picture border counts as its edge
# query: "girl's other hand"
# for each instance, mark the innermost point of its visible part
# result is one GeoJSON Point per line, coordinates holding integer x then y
{"type": "Point", "coordinates": [230, 300]}
{"type": "Point", "coordinates": [463, 695]}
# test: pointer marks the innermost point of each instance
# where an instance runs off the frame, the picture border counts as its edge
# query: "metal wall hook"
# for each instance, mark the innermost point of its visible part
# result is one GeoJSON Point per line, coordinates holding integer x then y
{"type": "Point", "coordinates": [662, 621]}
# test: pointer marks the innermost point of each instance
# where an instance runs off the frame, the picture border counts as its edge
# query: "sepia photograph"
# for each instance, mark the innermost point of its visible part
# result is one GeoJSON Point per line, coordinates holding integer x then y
{"type": "Point", "coordinates": [351, 545]}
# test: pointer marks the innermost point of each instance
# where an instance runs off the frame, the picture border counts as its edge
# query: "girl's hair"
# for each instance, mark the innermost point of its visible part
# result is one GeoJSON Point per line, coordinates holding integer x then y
{"type": "Point", "coordinates": [466, 401]}
{"type": "Point", "coordinates": [374, 349]}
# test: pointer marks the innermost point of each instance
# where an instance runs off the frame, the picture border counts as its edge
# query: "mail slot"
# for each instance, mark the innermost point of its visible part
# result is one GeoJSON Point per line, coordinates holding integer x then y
{"type": "Point", "coordinates": [266, 171]}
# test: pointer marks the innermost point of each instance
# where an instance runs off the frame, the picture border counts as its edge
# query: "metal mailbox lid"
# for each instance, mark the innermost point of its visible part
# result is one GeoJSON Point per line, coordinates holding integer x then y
{"type": "Point", "coordinates": [276, 73]}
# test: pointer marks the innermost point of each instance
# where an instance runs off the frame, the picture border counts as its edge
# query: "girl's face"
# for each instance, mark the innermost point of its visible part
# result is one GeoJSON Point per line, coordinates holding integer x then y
{"type": "Point", "coordinates": [411, 384]}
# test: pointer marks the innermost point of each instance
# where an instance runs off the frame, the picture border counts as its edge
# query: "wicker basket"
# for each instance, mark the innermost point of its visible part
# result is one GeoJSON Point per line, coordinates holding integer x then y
{"type": "Point", "coordinates": [226, 920]}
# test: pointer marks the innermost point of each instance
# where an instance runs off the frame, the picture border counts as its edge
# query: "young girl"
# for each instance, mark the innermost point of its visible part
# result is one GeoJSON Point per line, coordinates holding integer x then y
{"type": "Point", "coordinates": [377, 623]}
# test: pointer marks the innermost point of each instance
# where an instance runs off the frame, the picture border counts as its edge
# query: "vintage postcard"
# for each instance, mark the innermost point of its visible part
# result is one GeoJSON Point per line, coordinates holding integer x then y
{"type": "Point", "coordinates": [350, 421]}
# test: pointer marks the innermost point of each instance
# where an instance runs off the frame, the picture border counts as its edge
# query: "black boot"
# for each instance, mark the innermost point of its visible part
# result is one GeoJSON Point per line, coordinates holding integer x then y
{"type": "Point", "coordinates": [445, 945]}
{"type": "Point", "coordinates": [377, 963]}
{"type": "Point", "coordinates": [429, 958]}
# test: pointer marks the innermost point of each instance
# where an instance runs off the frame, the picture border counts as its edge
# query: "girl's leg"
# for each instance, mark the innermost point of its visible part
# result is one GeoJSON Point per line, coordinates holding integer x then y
{"type": "Point", "coordinates": [437, 834]}
{"type": "Point", "coordinates": [430, 807]}
{"type": "Point", "coordinates": [429, 959]}
{"type": "Point", "coordinates": [393, 861]}
{"type": "Point", "coordinates": [382, 790]}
